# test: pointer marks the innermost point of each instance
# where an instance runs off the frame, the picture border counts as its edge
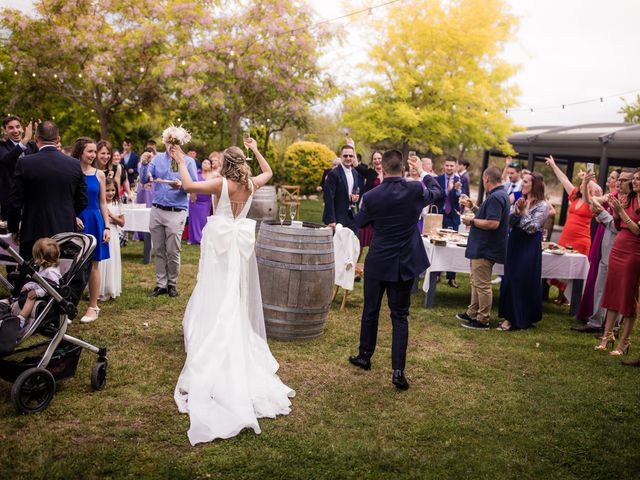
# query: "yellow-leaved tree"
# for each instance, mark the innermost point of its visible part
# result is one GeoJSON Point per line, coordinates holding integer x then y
{"type": "Point", "coordinates": [438, 80]}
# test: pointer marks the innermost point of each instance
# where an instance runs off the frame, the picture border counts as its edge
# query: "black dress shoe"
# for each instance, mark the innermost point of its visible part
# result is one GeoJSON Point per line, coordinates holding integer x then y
{"type": "Point", "coordinates": [452, 283]}
{"type": "Point", "coordinates": [586, 329]}
{"type": "Point", "coordinates": [172, 291]}
{"type": "Point", "coordinates": [632, 363]}
{"type": "Point", "coordinates": [360, 361]}
{"type": "Point", "coordinates": [158, 291]}
{"type": "Point", "coordinates": [399, 381]}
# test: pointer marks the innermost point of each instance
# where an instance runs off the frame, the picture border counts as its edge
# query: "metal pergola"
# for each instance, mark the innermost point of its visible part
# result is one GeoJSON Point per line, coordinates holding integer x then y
{"type": "Point", "coordinates": [604, 144]}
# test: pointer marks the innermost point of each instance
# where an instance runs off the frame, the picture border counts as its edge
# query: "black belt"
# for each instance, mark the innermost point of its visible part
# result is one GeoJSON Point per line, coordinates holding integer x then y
{"type": "Point", "coordinates": [168, 209]}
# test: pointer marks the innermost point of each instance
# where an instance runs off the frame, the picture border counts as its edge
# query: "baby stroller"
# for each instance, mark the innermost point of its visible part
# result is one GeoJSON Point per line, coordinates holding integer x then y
{"type": "Point", "coordinates": [34, 377]}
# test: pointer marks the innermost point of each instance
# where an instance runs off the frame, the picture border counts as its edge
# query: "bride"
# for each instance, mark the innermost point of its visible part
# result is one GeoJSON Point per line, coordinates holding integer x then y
{"type": "Point", "coordinates": [229, 377]}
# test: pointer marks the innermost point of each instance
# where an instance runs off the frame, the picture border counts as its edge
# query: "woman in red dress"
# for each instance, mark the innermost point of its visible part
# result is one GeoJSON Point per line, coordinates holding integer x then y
{"type": "Point", "coordinates": [577, 229]}
{"type": "Point", "coordinates": [373, 178]}
{"type": "Point", "coordinates": [623, 277]}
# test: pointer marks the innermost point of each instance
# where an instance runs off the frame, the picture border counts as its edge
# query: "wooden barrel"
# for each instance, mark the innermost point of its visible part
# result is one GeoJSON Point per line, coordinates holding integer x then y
{"type": "Point", "coordinates": [264, 205]}
{"type": "Point", "coordinates": [296, 267]}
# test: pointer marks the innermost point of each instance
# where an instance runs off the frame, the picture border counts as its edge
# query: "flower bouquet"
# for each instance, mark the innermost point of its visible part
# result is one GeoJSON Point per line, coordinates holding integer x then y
{"type": "Point", "coordinates": [175, 136]}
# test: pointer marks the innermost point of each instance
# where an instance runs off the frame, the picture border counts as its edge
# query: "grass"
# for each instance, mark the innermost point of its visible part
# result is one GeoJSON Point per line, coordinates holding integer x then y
{"type": "Point", "coordinates": [534, 404]}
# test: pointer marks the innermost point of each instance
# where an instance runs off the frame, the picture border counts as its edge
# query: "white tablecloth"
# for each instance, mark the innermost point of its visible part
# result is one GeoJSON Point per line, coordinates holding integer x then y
{"type": "Point", "coordinates": [451, 259]}
{"type": "Point", "coordinates": [136, 219]}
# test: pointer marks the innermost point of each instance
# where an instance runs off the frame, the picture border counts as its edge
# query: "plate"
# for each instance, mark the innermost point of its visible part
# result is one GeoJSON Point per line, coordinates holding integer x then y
{"type": "Point", "coordinates": [162, 180]}
{"type": "Point", "coordinates": [461, 244]}
{"type": "Point", "coordinates": [446, 230]}
{"type": "Point", "coordinates": [556, 252]}
{"type": "Point", "coordinates": [463, 234]}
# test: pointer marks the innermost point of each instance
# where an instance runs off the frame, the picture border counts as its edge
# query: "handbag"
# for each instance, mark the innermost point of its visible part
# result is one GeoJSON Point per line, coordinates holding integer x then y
{"type": "Point", "coordinates": [432, 221]}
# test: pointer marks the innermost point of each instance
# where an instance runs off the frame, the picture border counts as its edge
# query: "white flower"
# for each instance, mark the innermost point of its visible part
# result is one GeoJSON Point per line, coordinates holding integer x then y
{"type": "Point", "coordinates": [176, 135]}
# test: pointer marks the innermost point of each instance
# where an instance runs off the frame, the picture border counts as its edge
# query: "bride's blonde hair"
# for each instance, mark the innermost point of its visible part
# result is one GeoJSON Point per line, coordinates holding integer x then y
{"type": "Point", "coordinates": [234, 167]}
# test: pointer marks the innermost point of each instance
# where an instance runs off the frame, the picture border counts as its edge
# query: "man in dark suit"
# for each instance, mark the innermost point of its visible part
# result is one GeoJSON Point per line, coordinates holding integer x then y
{"type": "Point", "coordinates": [452, 187]}
{"type": "Point", "coordinates": [130, 160]}
{"type": "Point", "coordinates": [18, 143]}
{"type": "Point", "coordinates": [396, 257]}
{"type": "Point", "coordinates": [48, 193]}
{"type": "Point", "coordinates": [340, 192]}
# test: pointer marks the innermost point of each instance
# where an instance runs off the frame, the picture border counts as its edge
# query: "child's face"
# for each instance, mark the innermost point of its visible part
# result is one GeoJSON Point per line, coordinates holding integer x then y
{"type": "Point", "coordinates": [110, 193]}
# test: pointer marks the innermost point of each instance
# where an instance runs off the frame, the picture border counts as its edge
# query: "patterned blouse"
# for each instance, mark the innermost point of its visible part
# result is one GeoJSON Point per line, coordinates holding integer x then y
{"type": "Point", "coordinates": [533, 221]}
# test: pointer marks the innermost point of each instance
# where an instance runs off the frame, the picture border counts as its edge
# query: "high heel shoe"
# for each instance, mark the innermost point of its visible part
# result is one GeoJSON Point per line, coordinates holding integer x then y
{"type": "Point", "coordinates": [622, 348]}
{"type": "Point", "coordinates": [610, 339]}
{"type": "Point", "coordinates": [87, 318]}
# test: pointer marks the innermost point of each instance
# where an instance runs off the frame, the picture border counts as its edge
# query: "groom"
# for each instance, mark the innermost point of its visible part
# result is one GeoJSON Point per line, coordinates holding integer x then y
{"type": "Point", "coordinates": [396, 257]}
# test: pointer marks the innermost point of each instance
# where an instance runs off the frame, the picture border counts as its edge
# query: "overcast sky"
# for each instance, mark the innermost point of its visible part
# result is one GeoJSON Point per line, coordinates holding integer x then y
{"type": "Point", "coordinates": [569, 51]}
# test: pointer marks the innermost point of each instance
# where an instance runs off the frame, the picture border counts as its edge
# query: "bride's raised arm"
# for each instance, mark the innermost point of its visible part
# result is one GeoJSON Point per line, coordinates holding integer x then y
{"type": "Point", "coordinates": [267, 173]}
{"type": "Point", "coordinates": [212, 186]}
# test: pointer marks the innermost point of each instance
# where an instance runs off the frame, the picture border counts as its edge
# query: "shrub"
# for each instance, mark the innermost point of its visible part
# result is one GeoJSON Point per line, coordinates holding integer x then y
{"type": "Point", "coordinates": [304, 163]}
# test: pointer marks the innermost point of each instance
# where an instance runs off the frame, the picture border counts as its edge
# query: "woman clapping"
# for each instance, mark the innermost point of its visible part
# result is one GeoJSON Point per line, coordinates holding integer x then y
{"type": "Point", "coordinates": [521, 290]}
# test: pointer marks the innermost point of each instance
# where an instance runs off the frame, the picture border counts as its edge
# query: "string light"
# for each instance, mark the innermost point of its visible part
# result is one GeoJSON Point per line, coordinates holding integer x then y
{"type": "Point", "coordinates": [80, 75]}
{"type": "Point", "coordinates": [601, 102]}
{"type": "Point", "coordinates": [141, 69]}
{"type": "Point", "coordinates": [486, 112]}
{"type": "Point", "coordinates": [454, 107]}
{"type": "Point", "coordinates": [292, 38]}
{"type": "Point", "coordinates": [55, 75]}
{"type": "Point", "coordinates": [183, 62]}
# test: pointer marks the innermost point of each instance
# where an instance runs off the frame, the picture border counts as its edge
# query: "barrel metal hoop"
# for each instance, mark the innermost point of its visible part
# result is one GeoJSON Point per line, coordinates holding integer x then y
{"type": "Point", "coordinates": [313, 232]}
{"type": "Point", "coordinates": [295, 250]}
{"type": "Point", "coordinates": [295, 266]}
{"type": "Point", "coordinates": [277, 308]}
{"type": "Point", "coordinates": [265, 234]}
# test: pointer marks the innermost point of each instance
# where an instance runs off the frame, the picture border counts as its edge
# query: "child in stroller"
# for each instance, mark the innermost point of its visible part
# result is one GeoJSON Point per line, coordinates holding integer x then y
{"type": "Point", "coordinates": [34, 377]}
{"type": "Point", "coordinates": [46, 256]}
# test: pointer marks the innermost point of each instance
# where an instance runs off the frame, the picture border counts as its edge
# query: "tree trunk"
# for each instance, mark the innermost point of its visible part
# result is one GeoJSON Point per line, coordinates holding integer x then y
{"type": "Point", "coordinates": [267, 134]}
{"type": "Point", "coordinates": [235, 127]}
{"type": "Point", "coordinates": [104, 117]}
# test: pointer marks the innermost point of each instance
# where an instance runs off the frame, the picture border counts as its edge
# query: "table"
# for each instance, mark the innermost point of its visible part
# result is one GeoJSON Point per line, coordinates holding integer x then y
{"type": "Point", "coordinates": [571, 267]}
{"type": "Point", "coordinates": [137, 220]}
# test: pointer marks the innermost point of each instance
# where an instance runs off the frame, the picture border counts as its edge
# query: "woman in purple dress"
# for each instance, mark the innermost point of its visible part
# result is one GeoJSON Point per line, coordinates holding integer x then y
{"type": "Point", "coordinates": [586, 308]}
{"type": "Point", "coordinates": [199, 206]}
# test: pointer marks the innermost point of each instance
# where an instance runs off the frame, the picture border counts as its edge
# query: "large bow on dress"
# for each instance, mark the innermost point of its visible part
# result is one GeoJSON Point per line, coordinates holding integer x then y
{"type": "Point", "coordinates": [239, 232]}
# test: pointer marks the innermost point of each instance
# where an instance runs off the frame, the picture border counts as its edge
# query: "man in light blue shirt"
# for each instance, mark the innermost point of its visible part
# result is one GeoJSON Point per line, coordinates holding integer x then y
{"type": "Point", "coordinates": [168, 216]}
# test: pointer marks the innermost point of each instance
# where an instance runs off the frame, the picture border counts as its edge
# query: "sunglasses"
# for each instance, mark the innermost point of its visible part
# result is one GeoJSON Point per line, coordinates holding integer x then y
{"type": "Point", "coordinates": [514, 164]}
{"type": "Point", "coordinates": [348, 156]}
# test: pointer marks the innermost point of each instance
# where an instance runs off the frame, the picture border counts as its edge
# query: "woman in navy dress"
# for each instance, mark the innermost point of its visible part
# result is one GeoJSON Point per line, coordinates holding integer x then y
{"type": "Point", "coordinates": [94, 219]}
{"type": "Point", "coordinates": [521, 289]}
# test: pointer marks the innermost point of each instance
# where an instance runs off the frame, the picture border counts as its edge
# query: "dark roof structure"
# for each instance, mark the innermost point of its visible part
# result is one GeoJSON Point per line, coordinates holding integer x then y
{"type": "Point", "coordinates": [604, 144]}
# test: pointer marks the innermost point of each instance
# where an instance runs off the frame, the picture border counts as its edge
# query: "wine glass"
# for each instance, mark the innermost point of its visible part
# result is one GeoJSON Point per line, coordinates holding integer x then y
{"type": "Point", "coordinates": [246, 137]}
{"type": "Point", "coordinates": [282, 213]}
{"type": "Point", "coordinates": [293, 210]}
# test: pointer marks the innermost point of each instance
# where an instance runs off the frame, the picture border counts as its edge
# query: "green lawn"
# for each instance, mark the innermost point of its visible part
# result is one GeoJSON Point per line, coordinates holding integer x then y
{"type": "Point", "coordinates": [534, 404]}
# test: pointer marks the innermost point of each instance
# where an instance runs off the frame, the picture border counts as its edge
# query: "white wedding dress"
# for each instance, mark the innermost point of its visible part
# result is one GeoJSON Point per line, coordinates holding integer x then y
{"type": "Point", "coordinates": [229, 378]}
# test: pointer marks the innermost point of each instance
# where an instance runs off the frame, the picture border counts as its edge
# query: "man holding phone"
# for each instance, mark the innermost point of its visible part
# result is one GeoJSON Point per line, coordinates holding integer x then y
{"type": "Point", "coordinates": [168, 216]}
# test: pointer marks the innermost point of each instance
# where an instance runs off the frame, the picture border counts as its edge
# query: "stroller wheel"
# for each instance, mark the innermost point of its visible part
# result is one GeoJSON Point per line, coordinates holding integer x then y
{"type": "Point", "coordinates": [99, 375]}
{"type": "Point", "coordinates": [33, 390]}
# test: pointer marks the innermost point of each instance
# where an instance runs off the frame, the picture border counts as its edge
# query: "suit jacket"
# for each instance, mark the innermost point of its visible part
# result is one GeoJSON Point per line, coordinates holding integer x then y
{"type": "Point", "coordinates": [337, 202]}
{"type": "Point", "coordinates": [393, 209]}
{"type": "Point", "coordinates": [132, 163]}
{"type": "Point", "coordinates": [49, 192]}
{"type": "Point", "coordinates": [9, 154]}
{"type": "Point", "coordinates": [451, 220]}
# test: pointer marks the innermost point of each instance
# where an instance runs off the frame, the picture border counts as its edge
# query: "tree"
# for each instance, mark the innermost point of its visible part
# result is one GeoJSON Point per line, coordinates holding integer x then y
{"type": "Point", "coordinates": [631, 111]}
{"type": "Point", "coordinates": [257, 65]}
{"type": "Point", "coordinates": [439, 80]}
{"type": "Point", "coordinates": [112, 57]}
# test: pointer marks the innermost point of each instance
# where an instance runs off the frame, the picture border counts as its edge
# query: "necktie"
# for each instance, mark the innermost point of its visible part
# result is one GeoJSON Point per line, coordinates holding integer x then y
{"type": "Point", "coordinates": [447, 200]}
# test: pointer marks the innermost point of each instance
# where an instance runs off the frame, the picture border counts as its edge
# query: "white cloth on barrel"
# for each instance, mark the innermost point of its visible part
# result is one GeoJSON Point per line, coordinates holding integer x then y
{"type": "Point", "coordinates": [346, 250]}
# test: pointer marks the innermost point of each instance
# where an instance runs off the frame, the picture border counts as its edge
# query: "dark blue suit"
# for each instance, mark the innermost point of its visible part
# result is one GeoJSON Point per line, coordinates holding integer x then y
{"type": "Point", "coordinates": [396, 257]}
{"type": "Point", "coordinates": [337, 201]}
{"type": "Point", "coordinates": [132, 164]}
{"type": "Point", "coordinates": [49, 192]}
{"type": "Point", "coordinates": [9, 154]}
{"type": "Point", "coordinates": [452, 219]}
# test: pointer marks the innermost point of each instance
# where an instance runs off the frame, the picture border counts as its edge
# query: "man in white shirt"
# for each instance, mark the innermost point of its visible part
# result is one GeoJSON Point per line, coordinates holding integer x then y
{"type": "Point", "coordinates": [341, 192]}
{"type": "Point", "coordinates": [512, 178]}
{"type": "Point", "coordinates": [18, 143]}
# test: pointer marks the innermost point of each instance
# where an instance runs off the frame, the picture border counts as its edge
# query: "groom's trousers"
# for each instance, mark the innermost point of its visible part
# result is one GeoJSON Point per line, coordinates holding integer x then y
{"type": "Point", "coordinates": [166, 228]}
{"type": "Point", "coordinates": [399, 300]}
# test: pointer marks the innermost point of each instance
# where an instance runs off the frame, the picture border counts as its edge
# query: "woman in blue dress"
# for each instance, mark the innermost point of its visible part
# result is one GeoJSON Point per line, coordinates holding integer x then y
{"type": "Point", "coordinates": [94, 220]}
{"type": "Point", "coordinates": [521, 290]}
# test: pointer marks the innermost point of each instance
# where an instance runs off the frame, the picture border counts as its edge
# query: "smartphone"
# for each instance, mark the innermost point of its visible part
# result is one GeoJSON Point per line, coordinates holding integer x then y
{"type": "Point", "coordinates": [590, 167]}
{"type": "Point", "coordinates": [412, 153]}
